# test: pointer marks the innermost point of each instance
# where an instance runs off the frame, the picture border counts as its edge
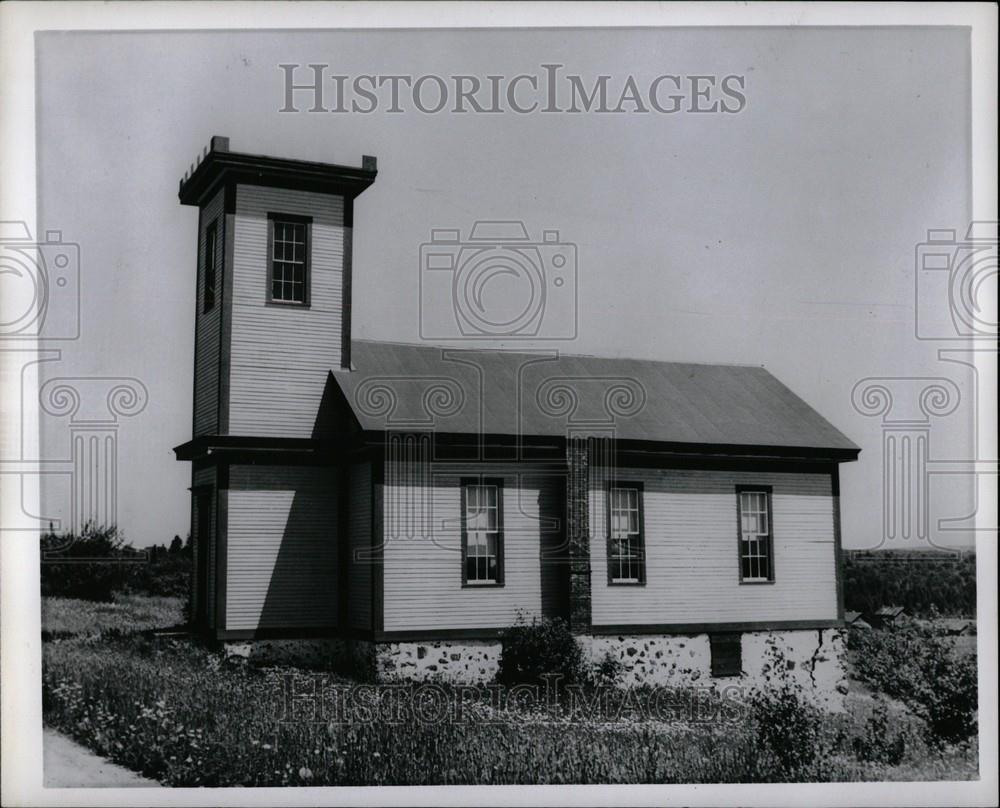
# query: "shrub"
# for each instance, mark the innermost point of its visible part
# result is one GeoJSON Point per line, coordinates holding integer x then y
{"type": "Point", "coordinates": [947, 697]}
{"type": "Point", "coordinates": [88, 565]}
{"type": "Point", "coordinates": [787, 726]}
{"type": "Point", "coordinates": [531, 650]}
{"type": "Point", "coordinates": [168, 574]}
{"type": "Point", "coordinates": [96, 563]}
{"type": "Point", "coordinates": [607, 672]}
{"type": "Point", "coordinates": [912, 663]}
{"type": "Point", "coordinates": [783, 721]}
{"type": "Point", "coordinates": [877, 743]}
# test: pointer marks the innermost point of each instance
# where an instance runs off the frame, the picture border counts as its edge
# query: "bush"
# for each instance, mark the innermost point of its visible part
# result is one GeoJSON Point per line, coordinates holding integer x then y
{"type": "Point", "coordinates": [877, 744]}
{"type": "Point", "coordinates": [96, 563]}
{"type": "Point", "coordinates": [607, 672]}
{"type": "Point", "coordinates": [912, 663]}
{"type": "Point", "coordinates": [947, 697]}
{"type": "Point", "coordinates": [88, 566]}
{"type": "Point", "coordinates": [784, 723]}
{"type": "Point", "coordinates": [532, 650]}
{"type": "Point", "coordinates": [167, 574]}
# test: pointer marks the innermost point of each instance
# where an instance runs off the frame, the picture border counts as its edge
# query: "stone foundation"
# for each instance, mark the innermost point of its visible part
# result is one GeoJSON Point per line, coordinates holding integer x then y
{"type": "Point", "coordinates": [346, 655]}
{"type": "Point", "coordinates": [465, 661]}
{"type": "Point", "coordinates": [811, 658]}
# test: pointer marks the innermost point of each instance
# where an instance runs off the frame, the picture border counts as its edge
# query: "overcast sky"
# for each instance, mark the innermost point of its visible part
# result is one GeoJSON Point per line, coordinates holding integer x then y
{"type": "Point", "coordinates": [780, 236]}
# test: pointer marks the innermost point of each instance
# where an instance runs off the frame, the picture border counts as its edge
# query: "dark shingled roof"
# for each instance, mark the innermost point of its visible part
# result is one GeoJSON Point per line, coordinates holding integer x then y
{"type": "Point", "coordinates": [396, 386]}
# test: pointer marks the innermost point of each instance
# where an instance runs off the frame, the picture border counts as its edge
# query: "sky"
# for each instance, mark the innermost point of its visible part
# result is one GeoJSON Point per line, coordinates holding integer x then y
{"type": "Point", "coordinates": [783, 235]}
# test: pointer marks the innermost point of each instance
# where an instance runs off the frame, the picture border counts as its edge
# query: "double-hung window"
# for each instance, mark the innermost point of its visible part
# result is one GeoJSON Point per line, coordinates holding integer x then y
{"type": "Point", "coordinates": [482, 532]}
{"type": "Point", "coordinates": [288, 259]}
{"type": "Point", "coordinates": [211, 243]}
{"type": "Point", "coordinates": [756, 537]}
{"type": "Point", "coordinates": [626, 557]}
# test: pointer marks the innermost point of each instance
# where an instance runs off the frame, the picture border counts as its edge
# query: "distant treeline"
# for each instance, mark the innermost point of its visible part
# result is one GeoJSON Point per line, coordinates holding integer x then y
{"type": "Point", "coordinates": [922, 582]}
{"type": "Point", "coordinates": [96, 562]}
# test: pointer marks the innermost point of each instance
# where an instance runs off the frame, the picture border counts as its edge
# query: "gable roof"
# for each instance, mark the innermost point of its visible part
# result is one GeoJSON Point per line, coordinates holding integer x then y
{"type": "Point", "coordinates": [489, 392]}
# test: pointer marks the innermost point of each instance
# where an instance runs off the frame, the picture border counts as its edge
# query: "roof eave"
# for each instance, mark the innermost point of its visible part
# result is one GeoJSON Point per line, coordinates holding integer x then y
{"type": "Point", "coordinates": [222, 167]}
{"type": "Point", "coordinates": [665, 449]}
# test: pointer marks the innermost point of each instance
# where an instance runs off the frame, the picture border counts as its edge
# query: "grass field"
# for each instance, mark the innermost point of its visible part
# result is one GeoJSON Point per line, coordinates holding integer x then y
{"type": "Point", "coordinates": [69, 617]}
{"type": "Point", "coordinates": [179, 713]}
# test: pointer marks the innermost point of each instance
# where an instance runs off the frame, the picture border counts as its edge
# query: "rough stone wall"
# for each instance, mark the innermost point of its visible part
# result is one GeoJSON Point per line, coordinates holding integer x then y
{"type": "Point", "coordinates": [812, 659]}
{"type": "Point", "coordinates": [353, 656]}
{"type": "Point", "coordinates": [287, 651]}
{"type": "Point", "coordinates": [466, 661]}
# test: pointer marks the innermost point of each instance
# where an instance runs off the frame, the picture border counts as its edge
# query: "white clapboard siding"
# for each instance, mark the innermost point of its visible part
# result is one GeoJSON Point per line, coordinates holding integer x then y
{"type": "Point", "coordinates": [422, 557]}
{"type": "Point", "coordinates": [281, 547]}
{"type": "Point", "coordinates": [208, 327]}
{"type": "Point", "coordinates": [282, 355]}
{"type": "Point", "coordinates": [359, 579]}
{"type": "Point", "coordinates": [692, 562]}
{"type": "Point", "coordinates": [205, 477]}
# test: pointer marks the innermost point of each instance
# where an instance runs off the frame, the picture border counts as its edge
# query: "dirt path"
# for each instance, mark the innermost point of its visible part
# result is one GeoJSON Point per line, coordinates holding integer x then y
{"type": "Point", "coordinates": [69, 765]}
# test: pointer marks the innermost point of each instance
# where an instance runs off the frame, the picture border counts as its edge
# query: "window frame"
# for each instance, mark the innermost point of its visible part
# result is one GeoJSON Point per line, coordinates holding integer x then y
{"type": "Point", "coordinates": [464, 484]}
{"type": "Point", "coordinates": [209, 260]}
{"type": "Point", "coordinates": [639, 488]}
{"type": "Point", "coordinates": [768, 492]}
{"type": "Point", "coordinates": [292, 218]}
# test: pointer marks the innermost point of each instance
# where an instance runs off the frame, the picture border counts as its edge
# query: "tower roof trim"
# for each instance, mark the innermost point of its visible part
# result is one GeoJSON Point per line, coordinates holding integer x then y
{"type": "Point", "coordinates": [219, 167]}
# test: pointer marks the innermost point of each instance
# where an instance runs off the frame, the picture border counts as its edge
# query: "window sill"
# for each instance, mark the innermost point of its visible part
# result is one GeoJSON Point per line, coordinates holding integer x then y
{"type": "Point", "coordinates": [752, 582]}
{"type": "Point", "coordinates": [286, 304]}
{"type": "Point", "coordinates": [466, 585]}
{"type": "Point", "coordinates": [626, 583]}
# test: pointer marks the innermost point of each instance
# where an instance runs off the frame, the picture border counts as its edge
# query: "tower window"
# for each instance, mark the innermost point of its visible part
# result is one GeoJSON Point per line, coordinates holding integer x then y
{"type": "Point", "coordinates": [288, 250]}
{"type": "Point", "coordinates": [211, 239]}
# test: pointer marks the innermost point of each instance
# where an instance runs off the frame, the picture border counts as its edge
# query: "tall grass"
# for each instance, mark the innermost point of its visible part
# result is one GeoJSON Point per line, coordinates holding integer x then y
{"type": "Point", "coordinates": [180, 714]}
{"type": "Point", "coordinates": [173, 712]}
{"type": "Point", "coordinates": [72, 617]}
